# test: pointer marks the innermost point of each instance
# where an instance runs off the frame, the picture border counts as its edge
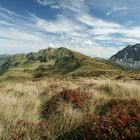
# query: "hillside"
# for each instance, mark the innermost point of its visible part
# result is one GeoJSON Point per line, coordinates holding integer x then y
{"type": "Point", "coordinates": [129, 57]}
{"type": "Point", "coordinates": [54, 62]}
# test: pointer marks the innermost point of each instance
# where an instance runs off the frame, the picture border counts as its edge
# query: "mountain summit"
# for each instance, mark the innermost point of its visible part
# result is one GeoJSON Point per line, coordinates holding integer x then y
{"type": "Point", "coordinates": [129, 57]}
{"type": "Point", "coordinates": [52, 62]}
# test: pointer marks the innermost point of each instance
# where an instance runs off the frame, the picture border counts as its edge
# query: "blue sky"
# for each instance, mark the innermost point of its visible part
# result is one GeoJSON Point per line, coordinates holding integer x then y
{"type": "Point", "coordinates": [97, 28]}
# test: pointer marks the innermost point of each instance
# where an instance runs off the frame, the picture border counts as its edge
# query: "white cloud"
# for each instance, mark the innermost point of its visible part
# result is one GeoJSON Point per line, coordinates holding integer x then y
{"type": "Point", "coordinates": [120, 8]}
{"type": "Point", "coordinates": [96, 50]}
{"type": "Point", "coordinates": [116, 9]}
{"type": "Point", "coordinates": [55, 6]}
{"type": "Point", "coordinates": [52, 46]}
{"type": "Point", "coordinates": [14, 34]}
{"type": "Point", "coordinates": [95, 22]}
{"type": "Point", "coordinates": [61, 25]}
{"type": "Point", "coordinates": [79, 31]}
{"type": "Point", "coordinates": [46, 2]}
{"type": "Point", "coordinates": [88, 42]}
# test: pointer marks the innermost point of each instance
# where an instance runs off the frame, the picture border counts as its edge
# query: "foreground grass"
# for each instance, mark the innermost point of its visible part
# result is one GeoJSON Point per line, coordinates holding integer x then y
{"type": "Point", "coordinates": [69, 109]}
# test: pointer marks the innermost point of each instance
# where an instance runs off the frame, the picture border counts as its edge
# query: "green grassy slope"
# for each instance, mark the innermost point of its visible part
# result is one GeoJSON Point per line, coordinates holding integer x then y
{"type": "Point", "coordinates": [54, 62]}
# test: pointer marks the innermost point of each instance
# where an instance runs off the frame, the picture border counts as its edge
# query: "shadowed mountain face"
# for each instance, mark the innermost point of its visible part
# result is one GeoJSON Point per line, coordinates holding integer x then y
{"type": "Point", "coordinates": [53, 62]}
{"type": "Point", "coordinates": [34, 60]}
{"type": "Point", "coordinates": [3, 63]}
{"type": "Point", "coordinates": [129, 57]}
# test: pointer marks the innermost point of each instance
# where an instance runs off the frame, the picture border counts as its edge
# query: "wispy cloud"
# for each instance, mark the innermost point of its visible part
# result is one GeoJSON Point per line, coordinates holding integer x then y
{"type": "Point", "coordinates": [72, 5]}
{"type": "Point", "coordinates": [74, 28]}
{"type": "Point", "coordinates": [46, 2]}
{"type": "Point", "coordinates": [116, 9]}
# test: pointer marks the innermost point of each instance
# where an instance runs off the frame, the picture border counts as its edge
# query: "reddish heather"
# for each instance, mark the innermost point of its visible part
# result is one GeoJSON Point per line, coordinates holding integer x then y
{"type": "Point", "coordinates": [117, 119]}
{"type": "Point", "coordinates": [75, 97]}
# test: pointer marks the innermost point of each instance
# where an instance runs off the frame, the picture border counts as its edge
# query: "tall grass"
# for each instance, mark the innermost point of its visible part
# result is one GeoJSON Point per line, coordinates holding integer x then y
{"type": "Point", "coordinates": [56, 109]}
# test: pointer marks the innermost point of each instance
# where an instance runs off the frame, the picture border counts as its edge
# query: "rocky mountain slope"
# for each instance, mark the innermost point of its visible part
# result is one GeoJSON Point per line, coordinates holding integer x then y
{"type": "Point", "coordinates": [53, 62]}
{"type": "Point", "coordinates": [129, 57]}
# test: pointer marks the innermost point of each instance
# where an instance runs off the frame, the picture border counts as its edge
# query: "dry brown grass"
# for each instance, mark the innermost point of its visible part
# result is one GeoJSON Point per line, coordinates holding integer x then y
{"type": "Point", "coordinates": [22, 102]}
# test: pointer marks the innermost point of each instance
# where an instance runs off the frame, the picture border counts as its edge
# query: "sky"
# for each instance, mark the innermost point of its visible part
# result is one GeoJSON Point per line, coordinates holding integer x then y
{"type": "Point", "coordinates": [98, 28]}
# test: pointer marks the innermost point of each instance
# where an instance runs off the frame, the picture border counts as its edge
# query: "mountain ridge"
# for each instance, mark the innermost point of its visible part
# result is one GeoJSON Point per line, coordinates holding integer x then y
{"type": "Point", "coordinates": [54, 62]}
{"type": "Point", "coordinates": [129, 57]}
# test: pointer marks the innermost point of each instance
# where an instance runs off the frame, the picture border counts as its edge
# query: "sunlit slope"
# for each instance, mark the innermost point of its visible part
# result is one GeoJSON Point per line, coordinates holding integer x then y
{"type": "Point", "coordinates": [55, 62]}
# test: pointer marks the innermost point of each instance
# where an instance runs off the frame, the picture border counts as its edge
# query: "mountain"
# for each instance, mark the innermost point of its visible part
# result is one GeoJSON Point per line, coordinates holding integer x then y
{"type": "Point", "coordinates": [3, 61]}
{"type": "Point", "coordinates": [128, 57]}
{"type": "Point", "coordinates": [54, 62]}
{"type": "Point", "coordinates": [3, 56]}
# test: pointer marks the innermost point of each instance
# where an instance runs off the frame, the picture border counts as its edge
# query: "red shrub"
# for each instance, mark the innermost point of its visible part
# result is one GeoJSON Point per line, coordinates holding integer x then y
{"type": "Point", "coordinates": [75, 97]}
{"type": "Point", "coordinates": [117, 119]}
{"type": "Point", "coordinates": [114, 119]}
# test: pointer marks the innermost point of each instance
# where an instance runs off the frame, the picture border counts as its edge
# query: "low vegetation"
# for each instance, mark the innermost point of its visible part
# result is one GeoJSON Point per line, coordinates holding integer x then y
{"type": "Point", "coordinates": [69, 109]}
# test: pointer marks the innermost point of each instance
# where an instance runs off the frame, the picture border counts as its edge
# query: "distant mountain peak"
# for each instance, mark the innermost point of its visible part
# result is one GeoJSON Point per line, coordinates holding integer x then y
{"type": "Point", "coordinates": [128, 57]}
